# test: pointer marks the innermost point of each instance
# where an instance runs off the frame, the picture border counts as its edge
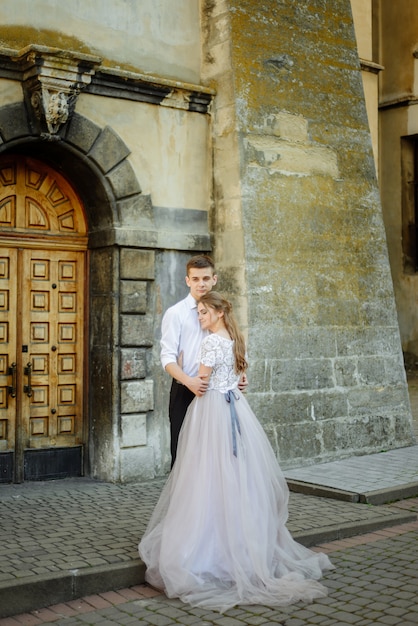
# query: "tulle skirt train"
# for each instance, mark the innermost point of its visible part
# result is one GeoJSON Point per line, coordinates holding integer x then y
{"type": "Point", "coordinates": [217, 537]}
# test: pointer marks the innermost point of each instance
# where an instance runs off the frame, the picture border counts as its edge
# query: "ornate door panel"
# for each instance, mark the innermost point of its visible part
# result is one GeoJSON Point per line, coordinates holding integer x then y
{"type": "Point", "coordinates": [34, 201]}
{"type": "Point", "coordinates": [8, 352]}
{"type": "Point", "coordinates": [52, 331]}
{"type": "Point", "coordinates": [42, 286]}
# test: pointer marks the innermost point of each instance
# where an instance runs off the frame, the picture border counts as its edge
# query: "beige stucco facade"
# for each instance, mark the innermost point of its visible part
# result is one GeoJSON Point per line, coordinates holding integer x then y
{"type": "Point", "coordinates": [394, 34]}
{"type": "Point", "coordinates": [362, 11]}
{"type": "Point", "coordinates": [151, 36]}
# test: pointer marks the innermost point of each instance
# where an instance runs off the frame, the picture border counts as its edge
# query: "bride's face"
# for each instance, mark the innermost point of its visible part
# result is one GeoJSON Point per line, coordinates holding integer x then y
{"type": "Point", "coordinates": [209, 318]}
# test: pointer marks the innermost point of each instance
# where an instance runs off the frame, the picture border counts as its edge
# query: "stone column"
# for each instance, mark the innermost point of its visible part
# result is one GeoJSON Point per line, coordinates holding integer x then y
{"type": "Point", "coordinates": [298, 228]}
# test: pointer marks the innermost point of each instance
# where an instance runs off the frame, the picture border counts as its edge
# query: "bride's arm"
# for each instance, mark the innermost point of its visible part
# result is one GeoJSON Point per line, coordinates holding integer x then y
{"type": "Point", "coordinates": [207, 355]}
{"type": "Point", "coordinates": [204, 373]}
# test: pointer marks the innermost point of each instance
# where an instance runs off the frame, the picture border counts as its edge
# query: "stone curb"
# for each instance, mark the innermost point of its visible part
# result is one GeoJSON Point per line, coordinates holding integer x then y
{"type": "Point", "coordinates": [311, 489]}
{"type": "Point", "coordinates": [343, 531]}
{"type": "Point", "coordinates": [390, 494]}
{"type": "Point", "coordinates": [28, 595]}
{"type": "Point", "coordinates": [377, 497]}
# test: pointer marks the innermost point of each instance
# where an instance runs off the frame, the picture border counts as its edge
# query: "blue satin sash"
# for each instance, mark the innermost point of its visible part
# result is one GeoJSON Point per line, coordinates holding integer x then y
{"type": "Point", "coordinates": [231, 397]}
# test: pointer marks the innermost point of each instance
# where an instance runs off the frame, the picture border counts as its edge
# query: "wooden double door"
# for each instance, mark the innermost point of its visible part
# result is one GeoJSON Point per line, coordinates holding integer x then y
{"type": "Point", "coordinates": [42, 313]}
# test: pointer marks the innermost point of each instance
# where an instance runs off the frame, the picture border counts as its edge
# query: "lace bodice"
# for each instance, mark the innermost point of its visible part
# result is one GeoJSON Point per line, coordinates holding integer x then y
{"type": "Point", "coordinates": [217, 352]}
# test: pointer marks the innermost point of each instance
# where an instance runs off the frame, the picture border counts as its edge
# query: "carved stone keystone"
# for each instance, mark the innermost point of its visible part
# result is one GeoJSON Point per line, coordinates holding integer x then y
{"type": "Point", "coordinates": [52, 80]}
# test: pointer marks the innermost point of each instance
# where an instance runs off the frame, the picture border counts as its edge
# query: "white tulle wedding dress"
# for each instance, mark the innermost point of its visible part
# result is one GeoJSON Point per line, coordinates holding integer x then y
{"type": "Point", "coordinates": [217, 536]}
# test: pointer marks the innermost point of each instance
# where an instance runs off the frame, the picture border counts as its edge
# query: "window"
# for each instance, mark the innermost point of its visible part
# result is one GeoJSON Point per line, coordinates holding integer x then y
{"type": "Point", "coordinates": [410, 204]}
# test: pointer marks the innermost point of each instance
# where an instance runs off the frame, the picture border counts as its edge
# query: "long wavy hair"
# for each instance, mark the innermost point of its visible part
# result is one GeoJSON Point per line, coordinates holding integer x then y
{"type": "Point", "coordinates": [214, 300]}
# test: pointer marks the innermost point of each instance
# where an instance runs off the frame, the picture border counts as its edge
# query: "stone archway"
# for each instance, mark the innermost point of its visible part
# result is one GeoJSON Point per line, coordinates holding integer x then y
{"type": "Point", "coordinates": [87, 154]}
{"type": "Point", "coordinates": [94, 160]}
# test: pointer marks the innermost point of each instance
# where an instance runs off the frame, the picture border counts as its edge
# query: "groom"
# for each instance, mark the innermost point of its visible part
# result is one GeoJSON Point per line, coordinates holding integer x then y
{"type": "Point", "coordinates": [180, 344]}
{"type": "Point", "coordinates": [181, 337]}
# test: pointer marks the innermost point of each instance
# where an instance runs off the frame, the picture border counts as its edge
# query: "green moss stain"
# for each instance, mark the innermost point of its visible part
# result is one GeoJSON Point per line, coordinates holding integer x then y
{"type": "Point", "coordinates": [19, 37]}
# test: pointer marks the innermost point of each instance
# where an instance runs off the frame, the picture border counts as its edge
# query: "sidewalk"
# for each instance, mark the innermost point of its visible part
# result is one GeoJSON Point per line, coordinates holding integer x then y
{"type": "Point", "coordinates": [67, 539]}
{"type": "Point", "coordinates": [371, 479]}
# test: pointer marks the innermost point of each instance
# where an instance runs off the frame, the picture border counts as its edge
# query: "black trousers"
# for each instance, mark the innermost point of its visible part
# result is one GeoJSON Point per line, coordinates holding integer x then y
{"type": "Point", "coordinates": [180, 398]}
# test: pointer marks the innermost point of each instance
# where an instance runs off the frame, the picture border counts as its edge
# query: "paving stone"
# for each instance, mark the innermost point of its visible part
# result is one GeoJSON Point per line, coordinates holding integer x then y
{"type": "Point", "coordinates": [227, 621]}
{"type": "Point", "coordinates": [257, 620]}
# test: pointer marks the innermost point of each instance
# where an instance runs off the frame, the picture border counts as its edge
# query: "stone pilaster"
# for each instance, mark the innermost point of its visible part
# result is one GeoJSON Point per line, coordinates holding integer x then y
{"type": "Point", "coordinates": [298, 225]}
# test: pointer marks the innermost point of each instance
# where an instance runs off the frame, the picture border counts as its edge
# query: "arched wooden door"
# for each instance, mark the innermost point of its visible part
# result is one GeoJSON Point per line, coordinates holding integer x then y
{"type": "Point", "coordinates": [42, 318]}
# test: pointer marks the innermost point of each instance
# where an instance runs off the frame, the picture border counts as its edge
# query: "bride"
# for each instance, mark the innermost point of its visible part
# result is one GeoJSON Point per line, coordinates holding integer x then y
{"type": "Point", "coordinates": [218, 536]}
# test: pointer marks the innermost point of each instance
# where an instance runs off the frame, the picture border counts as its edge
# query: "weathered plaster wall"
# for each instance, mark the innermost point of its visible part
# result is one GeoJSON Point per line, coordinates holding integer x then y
{"type": "Point", "coordinates": [398, 31]}
{"type": "Point", "coordinates": [327, 376]}
{"type": "Point", "coordinates": [362, 16]}
{"type": "Point", "coordinates": [399, 119]}
{"type": "Point", "coordinates": [169, 148]}
{"type": "Point", "coordinates": [158, 37]}
{"type": "Point", "coordinates": [362, 11]}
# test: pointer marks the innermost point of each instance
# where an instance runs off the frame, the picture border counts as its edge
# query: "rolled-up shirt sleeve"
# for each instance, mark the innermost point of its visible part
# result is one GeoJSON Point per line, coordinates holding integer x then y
{"type": "Point", "coordinates": [170, 337]}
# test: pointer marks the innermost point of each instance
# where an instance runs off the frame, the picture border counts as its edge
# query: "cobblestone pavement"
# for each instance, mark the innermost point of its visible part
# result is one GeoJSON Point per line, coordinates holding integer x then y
{"type": "Point", "coordinates": [375, 583]}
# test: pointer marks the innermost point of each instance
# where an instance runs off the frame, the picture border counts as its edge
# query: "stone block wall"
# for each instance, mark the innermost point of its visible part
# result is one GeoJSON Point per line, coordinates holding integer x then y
{"type": "Point", "coordinates": [293, 162]}
{"type": "Point", "coordinates": [136, 385]}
